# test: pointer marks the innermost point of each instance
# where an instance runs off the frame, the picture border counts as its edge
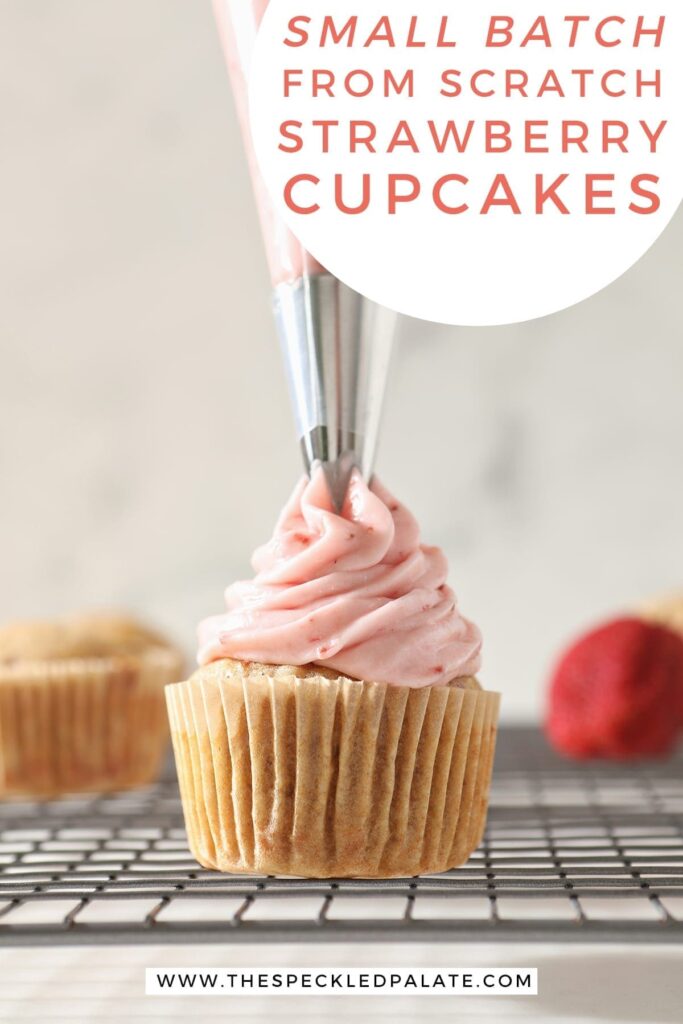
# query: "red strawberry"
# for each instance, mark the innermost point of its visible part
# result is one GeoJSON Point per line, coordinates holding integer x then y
{"type": "Point", "coordinates": [618, 692]}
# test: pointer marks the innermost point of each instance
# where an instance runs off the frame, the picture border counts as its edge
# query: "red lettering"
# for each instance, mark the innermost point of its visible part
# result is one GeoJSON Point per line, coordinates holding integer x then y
{"type": "Point", "coordinates": [287, 132]}
{"type": "Point", "coordinates": [544, 194]}
{"type": "Point", "coordinates": [569, 139]}
{"type": "Point", "coordinates": [442, 42]}
{"type": "Point", "coordinates": [290, 83]}
{"type": "Point", "coordinates": [359, 140]}
{"type": "Point", "coordinates": [396, 197]}
{"type": "Point", "coordinates": [451, 131]}
{"type": "Point", "coordinates": [642, 84]}
{"type": "Point", "coordinates": [300, 34]}
{"type": "Point", "coordinates": [475, 83]}
{"type": "Point", "coordinates": [575, 20]}
{"type": "Point", "coordinates": [500, 27]}
{"type": "Point", "coordinates": [498, 131]}
{"type": "Point", "coordinates": [653, 137]}
{"type": "Point", "coordinates": [408, 81]}
{"type": "Point", "coordinates": [517, 81]}
{"type": "Point", "coordinates": [644, 193]}
{"type": "Point", "coordinates": [403, 136]}
{"type": "Point", "coordinates": [600, 31]}
{"type": "Point", "coordinates": [551, 83]}
{"type": "Point", "coordinates": [614, 133]}
{"type": "Point", "coordinates": [449, 79]}
{"type": "Point", "coordinates": [592, 193]}
{"type": "Point", "coordinates": [325, 133]}
{"type": "Point", "coordinates": [438, 194]}
{"type": "Point", "coordinates": [363, 90]}
{"type": "Point", "coordinates": [657, 32]}
{"type": "Point", "coordinates": [538, 33]}
{"type": "Point", "coordinates": [411, 40]}
{"type": "Point", "coordinates": [583, 74]}
{"type": "Point", "coordinates": [531, 136]}
{"type": "Point", "coordinates": [322, 81]}
{"type": "Point", "coordinates": [337, 35]}
{"type": "Point", "coordinates": [607, 78]}
{"type": "Point", "coordinates": [289, 196]}
{"type": "Point", "coordinates": [382, 33]}
{"type": "Point", "coordinates": [508, 199]}
{"type": "Point", "coordinates": [339, 198]}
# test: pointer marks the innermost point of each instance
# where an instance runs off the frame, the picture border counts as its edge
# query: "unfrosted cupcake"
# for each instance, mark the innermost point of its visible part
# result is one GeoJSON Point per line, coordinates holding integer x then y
{"type": "Point", "coordinates": [335, 726]}
{"type": "Point", "coordinates": [666, 610]}
{"type": "Point", "coordinates": [81, 704]}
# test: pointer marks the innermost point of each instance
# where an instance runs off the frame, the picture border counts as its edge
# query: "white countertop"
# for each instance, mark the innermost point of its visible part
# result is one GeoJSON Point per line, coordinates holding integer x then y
{"type": "Point", "coordinates": [577, 983]}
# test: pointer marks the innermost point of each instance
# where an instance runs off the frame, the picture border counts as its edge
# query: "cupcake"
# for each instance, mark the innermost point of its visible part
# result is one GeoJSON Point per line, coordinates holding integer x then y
{"type": "Point", "coordinates": [81, 704]}
{"type": "Point", "coordinates": [666, 610]}
{"type": "Point", "coordinates": [335, 726]}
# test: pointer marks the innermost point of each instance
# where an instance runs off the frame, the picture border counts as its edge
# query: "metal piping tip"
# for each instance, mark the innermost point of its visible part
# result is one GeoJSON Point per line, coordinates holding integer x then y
{"type": "Point", "coordinates": [337, 477]}
{"type": "Point", "coordinates": [337, 349]}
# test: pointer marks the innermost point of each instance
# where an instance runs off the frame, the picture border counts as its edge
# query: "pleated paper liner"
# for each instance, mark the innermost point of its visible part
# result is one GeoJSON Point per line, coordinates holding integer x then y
{"type": "Point", "coordinates": [301, 772]}
{"type": "Point", "coordinates": [84, 725]}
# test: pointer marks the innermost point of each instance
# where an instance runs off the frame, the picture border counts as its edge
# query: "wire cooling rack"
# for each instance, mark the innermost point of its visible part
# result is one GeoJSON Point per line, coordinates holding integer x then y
{"type": "Point", "coordinates": [586, 852]}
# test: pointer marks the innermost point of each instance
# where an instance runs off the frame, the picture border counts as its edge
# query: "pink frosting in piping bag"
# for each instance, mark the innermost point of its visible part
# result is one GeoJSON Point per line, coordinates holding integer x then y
{"type": "Point", "coordinates": [238, 22]}
{"type": "Point", "coordinates": [356, 592]}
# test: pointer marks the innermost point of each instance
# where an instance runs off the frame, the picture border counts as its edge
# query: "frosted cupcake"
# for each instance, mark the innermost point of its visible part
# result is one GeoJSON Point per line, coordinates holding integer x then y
{"type": "Point", "coordinates": [82, 705]}
{"type": "Point", "coordinates": [335, 726]}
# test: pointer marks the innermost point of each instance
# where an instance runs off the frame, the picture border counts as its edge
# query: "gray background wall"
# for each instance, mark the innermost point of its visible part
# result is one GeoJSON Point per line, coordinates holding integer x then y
{"type": "Point", "coordinates": [146, 442]}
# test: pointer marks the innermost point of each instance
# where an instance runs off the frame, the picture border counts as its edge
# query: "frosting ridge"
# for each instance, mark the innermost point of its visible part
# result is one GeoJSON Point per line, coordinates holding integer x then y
{"type": "Point", "coordinates": [356, 592]}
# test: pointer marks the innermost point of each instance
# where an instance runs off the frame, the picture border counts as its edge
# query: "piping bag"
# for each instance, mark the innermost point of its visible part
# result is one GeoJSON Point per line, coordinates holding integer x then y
{"type": "Point", "coordinates": [336, 343]}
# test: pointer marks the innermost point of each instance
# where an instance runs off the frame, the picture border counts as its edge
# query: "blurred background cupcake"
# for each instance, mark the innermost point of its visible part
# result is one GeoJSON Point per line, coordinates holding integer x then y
{"type": "Point", "coordinates": [666, 610]}
{"type": "Point", "coordinates": [81, 704]}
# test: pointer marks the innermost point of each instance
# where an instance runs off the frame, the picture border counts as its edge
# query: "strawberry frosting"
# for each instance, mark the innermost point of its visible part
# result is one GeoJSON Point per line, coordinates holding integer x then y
{"type": "Point", "coordinates": [356, 592]}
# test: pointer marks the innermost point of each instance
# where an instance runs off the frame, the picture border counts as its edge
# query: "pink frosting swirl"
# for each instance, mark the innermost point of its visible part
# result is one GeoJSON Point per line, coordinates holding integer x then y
{"type": "Point", "coordinates": [356, 592]}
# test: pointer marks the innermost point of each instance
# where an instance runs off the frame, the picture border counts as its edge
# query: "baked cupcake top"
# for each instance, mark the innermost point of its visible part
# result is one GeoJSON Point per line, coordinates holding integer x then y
{"type": "Point", "coordinates": [256, 671]}
{"type": "Point", "coordinates": [79, 636]}
{"type": "Point", "coordinates": [355, 592]}
{"type": "Point", "coordinates": [666, 610]}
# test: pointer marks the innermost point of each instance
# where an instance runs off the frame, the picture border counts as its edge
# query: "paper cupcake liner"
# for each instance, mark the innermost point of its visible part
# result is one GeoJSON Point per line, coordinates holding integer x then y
{"type": "Point", "coordinates": [329, 777]}
{"type": "Point", "coordinates": [84, 725]}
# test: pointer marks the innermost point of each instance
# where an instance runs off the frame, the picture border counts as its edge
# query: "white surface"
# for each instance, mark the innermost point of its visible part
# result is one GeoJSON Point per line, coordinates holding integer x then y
{"type": "Point", "coordinates": [588, 985]}
{"type": "Point", "coordinates": [603, 909]}
{"type": "Point", "coordinates": [146, 442]}
{"type": "Point", "coordinates": [527, 908]}
{"type": "Point", "coordinates": [355, 908]}
{"type": "Point", "coordinates": [116, 911]}
{"type": "Point", "coordinates": [283, 908]}
{"type": "Point", "coordinates": [441, 908]}
{"type": "Point", "coordinates": [194, 908]}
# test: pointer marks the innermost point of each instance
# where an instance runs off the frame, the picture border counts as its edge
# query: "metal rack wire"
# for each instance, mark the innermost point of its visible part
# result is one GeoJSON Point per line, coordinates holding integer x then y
{"type": "Point", "coordinates": [588, 852]}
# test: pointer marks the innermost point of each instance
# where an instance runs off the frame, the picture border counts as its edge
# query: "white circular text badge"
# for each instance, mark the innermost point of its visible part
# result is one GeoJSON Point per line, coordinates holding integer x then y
{"type": "Point", "coordinates": [484, 166]}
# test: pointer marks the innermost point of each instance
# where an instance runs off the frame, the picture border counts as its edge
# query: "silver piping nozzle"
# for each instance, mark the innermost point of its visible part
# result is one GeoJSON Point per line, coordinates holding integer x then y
{"type": "Point", "coordinates": [337, 349]}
